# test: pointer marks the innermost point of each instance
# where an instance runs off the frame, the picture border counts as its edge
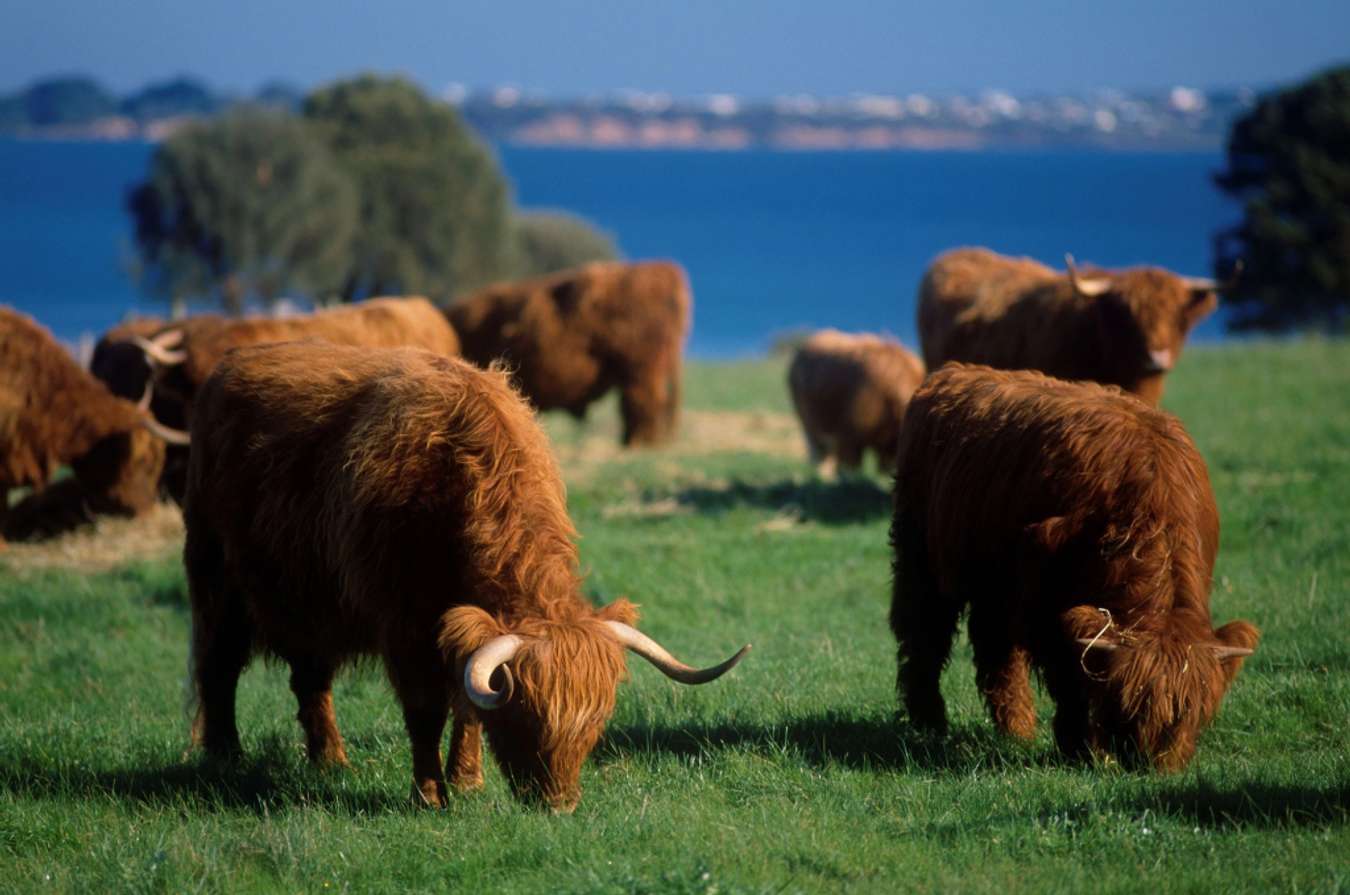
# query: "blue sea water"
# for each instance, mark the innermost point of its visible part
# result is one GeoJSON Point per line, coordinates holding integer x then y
{"type": "Point", "coordinates": [772, 241]}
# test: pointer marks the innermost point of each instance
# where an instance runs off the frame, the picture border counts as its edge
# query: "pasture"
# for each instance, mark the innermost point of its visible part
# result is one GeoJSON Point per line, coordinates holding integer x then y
{"type": "Point", "coordinates": [791, 774]}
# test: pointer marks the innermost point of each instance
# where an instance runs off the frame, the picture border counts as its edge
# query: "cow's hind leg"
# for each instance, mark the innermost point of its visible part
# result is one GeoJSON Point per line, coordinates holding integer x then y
{"type": "Point", "coordinates": [924, 623]}
{"type": "Point", "coordinates": [312, 684]}
{"type": "Point", "coordinates": [221, 647]}
{"type": "Point", "coordinates": [464, 767]}
{"type": "Point", "coordinates": [643, 404]}
{"type": "Point", "coordinates": [1002, 673]}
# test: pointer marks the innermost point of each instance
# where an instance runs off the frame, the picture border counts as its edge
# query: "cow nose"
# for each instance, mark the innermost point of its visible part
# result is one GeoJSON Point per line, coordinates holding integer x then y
{"type": "Point", "coordinates": [1160, 361]}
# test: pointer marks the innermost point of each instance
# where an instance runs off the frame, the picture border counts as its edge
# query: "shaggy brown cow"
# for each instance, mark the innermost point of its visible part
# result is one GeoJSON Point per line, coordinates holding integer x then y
{"type": "Point", "coordinates": [571, 337]}
{"type": "Point", "coordinates": [1122, 328]}
{"type": "Point", "coordinates": [1078, 526]}
{"type": "Point", "coordinates": [850, 392]}
{"type": "Point", "coordinates": [53, 413]}
{"type": "Point", "coordinates": [345, 502]}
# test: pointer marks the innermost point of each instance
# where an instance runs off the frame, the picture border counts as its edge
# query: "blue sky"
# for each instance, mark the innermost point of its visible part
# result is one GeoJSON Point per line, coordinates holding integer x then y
{"type": "Point", "coordinates": [752, 47]}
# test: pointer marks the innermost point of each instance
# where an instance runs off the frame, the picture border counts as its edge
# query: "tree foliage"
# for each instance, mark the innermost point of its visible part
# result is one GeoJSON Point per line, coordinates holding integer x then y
{"type": "Point", "coordinates": [548, 241]}
{"type": "Point", "coordinates": [1289, 163]}
{"type": "Point", "coordinates": [243, 207]}
{"type": "Point", "coordinates": [434, 206]}
{"type": "Point", "coordinates": [73, 100]}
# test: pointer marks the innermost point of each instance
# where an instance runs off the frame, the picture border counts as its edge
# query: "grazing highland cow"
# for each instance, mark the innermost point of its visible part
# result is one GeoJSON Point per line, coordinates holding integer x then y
{"type": "Point", "coordinates": [344, 502]}
{"type": "Point", "coordinates": [1077, 525]}
{"type": "Point", "coordinates": [572, 336]}
{"type": "Point", "coordinates": [1122, 328]}
{"type": "Point", "coordinates": [850, 391]}
{"type": "Point", "coordinates": [53, 413]}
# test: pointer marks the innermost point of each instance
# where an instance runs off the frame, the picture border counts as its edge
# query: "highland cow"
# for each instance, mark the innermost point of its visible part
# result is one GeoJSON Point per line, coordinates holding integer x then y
{"type": "Point", "coordinates": [571, 337]}
{"type": "Point", "coordinates": [850, 392]}
{"type": "Point", "coordinates": [1077, 526]}
{"type": "Point", "coordinates": [53, 413]}
{"type": "Point", "coordinates": [1124, 328]}
{"type": "Point", "coordinates": [345, 502]}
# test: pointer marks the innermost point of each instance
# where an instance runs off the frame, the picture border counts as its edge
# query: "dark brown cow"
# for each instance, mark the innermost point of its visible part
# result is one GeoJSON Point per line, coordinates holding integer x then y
{"type": "Point", "coordinates": [1077, 525]}
{"type": "Point", "coordinates": [850, 391]}
{"type": "Point", "coordinates": [119, 363]}
{"type": "Point", "coordinates": [571, 337]}
{"type": "Point", "coordinates": [345, 502]}
{"type": "Point", "coordinates": [53, 413]}
{"type": "Point", "coordinates": [1124, 328]}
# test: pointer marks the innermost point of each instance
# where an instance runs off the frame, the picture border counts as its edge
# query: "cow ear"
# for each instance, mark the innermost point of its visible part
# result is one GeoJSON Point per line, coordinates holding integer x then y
{"type": "Point", "coordinates": [465, 628]}
{"type": "Point", "coordinates": [621, 610]}
{"type": "Point", "coordinates": [1090, 625]}
{"type": "Point", "coordinates": [1202, 303]}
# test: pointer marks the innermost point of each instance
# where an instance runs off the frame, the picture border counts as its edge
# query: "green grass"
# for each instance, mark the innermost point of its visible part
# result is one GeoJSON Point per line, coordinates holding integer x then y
{"type": "Point", "coordinates": [791, 774]}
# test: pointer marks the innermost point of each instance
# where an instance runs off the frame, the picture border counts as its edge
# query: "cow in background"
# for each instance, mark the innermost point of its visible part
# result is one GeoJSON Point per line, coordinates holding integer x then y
{"type": "Point", "coordinates": [1077, 526]}
{"type": "Point", "coordinates": [53, 413]}
{"type": "Point", "coordinates": [1124, 328]}
{"type": "Point", "coordinates": [346, 502]}
{"type": "Point", "coordinates": [850, 391]}
{"type": "Point", "coordinates": [572, 336]}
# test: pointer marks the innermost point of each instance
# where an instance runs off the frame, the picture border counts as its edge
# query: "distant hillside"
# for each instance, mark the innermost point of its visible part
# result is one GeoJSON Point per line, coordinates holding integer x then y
{"type": "Point", "coordinates": [1169, 118]}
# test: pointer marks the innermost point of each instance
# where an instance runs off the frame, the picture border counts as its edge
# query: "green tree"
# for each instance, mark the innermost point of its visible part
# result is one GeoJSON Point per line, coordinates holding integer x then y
{"type": "Point", "coordinates": [551, 240]}
{"type": "Point", "coordinates": [1289, 164]}
{"type": "Point", "coordinates": [435, 211]}
{"type": "Point", "coordinates": [243, 207]}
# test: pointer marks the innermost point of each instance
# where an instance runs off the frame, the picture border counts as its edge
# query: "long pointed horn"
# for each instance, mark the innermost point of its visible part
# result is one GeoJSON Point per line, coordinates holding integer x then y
{"type": "Point", "coordinates": [485, 660]}
{"type": "Point", "coordinates": [143, 405]}
{"type": "Point", "coordinates": [159, 430]}
{"type": "Point", "coordinates": [158, 352]}
{"type": "Point", "coordinates": [670, 666]}
{"type": "Point", "coordinates": [1206, 284]}
{"type": "Point", "coordinates": [1091, 287]}
{"type": "Point", "coordinates": [1109, 646]}
{"type": "Point", "coordinates": [1222, 651]}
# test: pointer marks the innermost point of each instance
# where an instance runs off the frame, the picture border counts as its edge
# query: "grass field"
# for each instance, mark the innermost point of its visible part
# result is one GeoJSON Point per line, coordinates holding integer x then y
{"type": "Point", "coordinates": [793, 773]}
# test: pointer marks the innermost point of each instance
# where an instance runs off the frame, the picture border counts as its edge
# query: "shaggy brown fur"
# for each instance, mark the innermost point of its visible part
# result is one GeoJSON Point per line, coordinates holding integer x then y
{"type": "Point", "coordinates": [850, 391]}
{"type": "Point", "coordinates": [376, 323]}
{"type": "Point", "coordinates": [346, 502]}
{"type": "Point", "coordinates": [53, 413]}
{"type": "Point", "coordinates": [979, 307]}
{"type": "Point", "coordinates": [571, 337]}
{"type": "Point", "coordinates": [1062, 514]}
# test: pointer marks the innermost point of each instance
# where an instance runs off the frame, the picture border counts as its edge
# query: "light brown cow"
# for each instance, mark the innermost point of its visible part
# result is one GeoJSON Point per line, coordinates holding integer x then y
{"type": "Point", "coordinates": [850, 391]}
{"type": "Point", "coordinates": [346, 502]}
{"type": "Point", "coordinates": [1124, 328]}
{"type": "Point", "coordinates": [1077, 526]}
{"type": "Point", "coordinates": [571, 337]}
{"type": "Point", "coordinates": [53, 413]}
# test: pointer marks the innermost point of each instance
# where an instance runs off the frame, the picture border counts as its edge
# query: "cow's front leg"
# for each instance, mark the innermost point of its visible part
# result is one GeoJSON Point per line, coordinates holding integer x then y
{"type": "Point", "coordinates": [464, 768]}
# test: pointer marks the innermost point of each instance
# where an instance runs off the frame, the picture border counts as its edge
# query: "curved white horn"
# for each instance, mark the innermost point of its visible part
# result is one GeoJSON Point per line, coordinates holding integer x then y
{"type": "Point", "coordinates": [670, 666]}
{"type": "Point", "coordinates": [1201, 284]}
{"type": "Point", "coordinates": [159, 353]}
{"type": "Point", "coordinates": [1222, 651]}
{"type": "Point", "coordinates": [169, 339]}
{"type": "Point", "coordinates": [1090, 288]}
{"type": "Point", "coordinates": [485, 660]}
{"type": "Point", "coordinates": [159, 430]}
{"type": "Point", "coordinates": [143, 405]}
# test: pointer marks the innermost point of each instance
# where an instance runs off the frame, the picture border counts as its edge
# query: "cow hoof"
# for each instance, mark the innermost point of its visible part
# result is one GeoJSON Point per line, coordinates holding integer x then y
{"type": "Point", "coordinates": [421, 799]}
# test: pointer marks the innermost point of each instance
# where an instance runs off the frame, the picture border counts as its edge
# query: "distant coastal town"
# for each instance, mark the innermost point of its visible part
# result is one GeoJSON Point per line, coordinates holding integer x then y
{"type": "Point", "coordinates": [1169, 118]}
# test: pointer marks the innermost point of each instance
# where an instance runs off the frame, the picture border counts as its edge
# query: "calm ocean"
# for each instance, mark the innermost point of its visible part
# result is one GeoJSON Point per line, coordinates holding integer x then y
{"type": "Point", "coordinates": [772, 241]}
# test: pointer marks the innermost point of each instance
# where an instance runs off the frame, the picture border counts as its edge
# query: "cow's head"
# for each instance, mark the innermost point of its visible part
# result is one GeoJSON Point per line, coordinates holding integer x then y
{"type": "Point", "coordinates": [545, 688]}
{"type": "Point", "coordinates": [1152, 694]}
{"type": "Point", "coordinates": [1143, 316]}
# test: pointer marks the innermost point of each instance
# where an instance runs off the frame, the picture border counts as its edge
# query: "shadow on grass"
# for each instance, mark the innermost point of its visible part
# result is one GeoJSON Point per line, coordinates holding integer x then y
{"type": "Point", "coordinates": [259, 782]}
{"type": "Point", "coordinates": [1252, 805]}
{"type": "Point", "coordinates": [849, 500]}
{"type": "Point", "coordinates": [833, 739]}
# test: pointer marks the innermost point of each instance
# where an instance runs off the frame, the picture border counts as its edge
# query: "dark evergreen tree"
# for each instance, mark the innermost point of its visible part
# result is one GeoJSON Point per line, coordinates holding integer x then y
{"type": "Point", "coordinates": [243, 208]}
{"type": "Point", "coordinates": [1289, 164]}
{"type": "Point", "coordinates": [435, 213]}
